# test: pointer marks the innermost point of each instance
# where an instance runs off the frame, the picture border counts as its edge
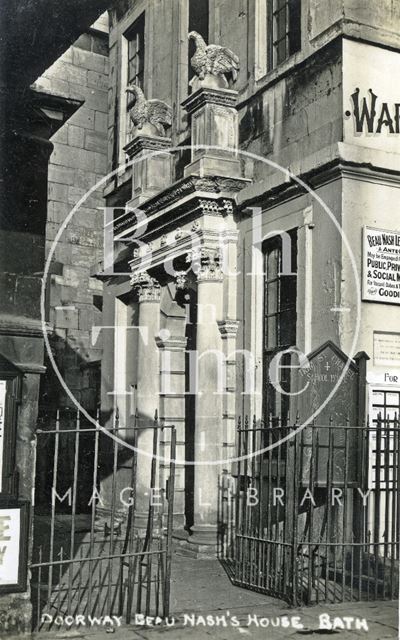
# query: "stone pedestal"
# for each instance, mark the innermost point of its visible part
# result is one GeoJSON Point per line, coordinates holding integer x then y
{"type": "Point", "coordinates": [151, 168]}
{"type": "Point", "coordinates": [214, 123]}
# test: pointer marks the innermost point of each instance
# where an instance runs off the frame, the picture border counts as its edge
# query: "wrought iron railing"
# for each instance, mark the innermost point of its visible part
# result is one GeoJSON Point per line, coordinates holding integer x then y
{"type": "Point", "coordinates": [92, 559]}
{"type": "Point", "coordinates": [312, 514]}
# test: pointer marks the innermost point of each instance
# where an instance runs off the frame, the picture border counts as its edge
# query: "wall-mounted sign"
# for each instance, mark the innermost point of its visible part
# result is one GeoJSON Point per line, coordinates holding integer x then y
{"type": "Point", "coordinates": [318, 389]}
{"type": "Point", "coordinates": [386, 377]}
{"type": "Point", "coordinates": [381, 265]}
{"type": "Point", "coordinates": [372, 115]}
{"type": "Point", "coordinates": [386, 349]}
{"type": "Point", "coordinates": [13, 547]}
{"type": "Point", "coordinates": [3, 387]}
{"type": "Point", "coordinates": [10, 393]}
{"type": "Point", "coordinates": [370, 98]}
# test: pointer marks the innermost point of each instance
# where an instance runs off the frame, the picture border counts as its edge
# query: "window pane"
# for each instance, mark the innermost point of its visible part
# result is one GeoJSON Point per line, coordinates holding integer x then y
{"type": "Point", "coordinates": [271, 293]}
{"type": "Point", "coordinates": [288, 292]}
{"type": "Point", "coordinates": [379, 398]}
{"type": "Point", "coordinates": [272, 266]}
{"type": "Point", "coordinates": [281, 25]}
{"type": "Point", "coordinates": [132, 48]}
{"type": "Point", "coordinates": [281, 51]}
{"type": "Point", "coordinates": [271, 338]}
{"type": "Point", "coordinates": [132, 70]}
{"type": "Point", "coordinates": [393, 399]}
{"type": "Point", "coordinates": [135, 38]}
{"type": "Point", "coordinates": [279, 322]}
{"type": "Point", "coordinates": [280, 4]}
{"type": "Point", "coordinates": [140, 79]}
{"type": "Point", "coordinates": [140, 63]}
{"type": "Point", "coordinates": [198, 21]}
{"type": "Point", "coordinates": [294, 26]}
{"type": "Point", "coordinates": [284, 29]}
{"type": "Point", "coordinates": [285, 371]}
{"type": "Point", "coordinates": [287, 328]}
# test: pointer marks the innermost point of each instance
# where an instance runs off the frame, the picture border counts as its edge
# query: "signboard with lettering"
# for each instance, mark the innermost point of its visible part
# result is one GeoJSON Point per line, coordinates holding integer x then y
{"type": "Point", "coordinates": [371, 101]}
{"type": "Point", "coordinates": [13, 547]}
{"type": "Point", "coordinates": [10, 396]}
{"type": "Point", "coordinates": [318, 381]}
{"type": "Point", "coordinates": [315, 384]}
{"type": "Point", "coordinates": [386, 349]}
{"type": "Point", "coordinates": [3, 387]}
{"type": "Point", "coordinates": [381, 265]}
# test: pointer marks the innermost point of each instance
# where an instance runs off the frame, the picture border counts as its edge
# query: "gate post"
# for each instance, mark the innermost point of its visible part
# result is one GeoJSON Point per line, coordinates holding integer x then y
{"type": "Point", "coordinates": [361, 359]}
{"type": "Point", "coordinates": [19, 390]}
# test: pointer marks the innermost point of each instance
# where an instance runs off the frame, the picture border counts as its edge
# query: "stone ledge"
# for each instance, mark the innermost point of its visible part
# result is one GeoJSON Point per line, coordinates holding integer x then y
{"type": "Point", "coordinates": [183, 547]}
{"type": "Point", "coordinates": [20, 326]}
{"type": "Point", "coordinates": [144, 142]}
{"type": "Point", "coordinates": [205, 95]}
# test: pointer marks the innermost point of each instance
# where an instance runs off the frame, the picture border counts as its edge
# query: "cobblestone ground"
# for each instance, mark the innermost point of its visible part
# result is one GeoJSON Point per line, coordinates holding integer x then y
{"type": "Point", "coordinates": [200, 588]}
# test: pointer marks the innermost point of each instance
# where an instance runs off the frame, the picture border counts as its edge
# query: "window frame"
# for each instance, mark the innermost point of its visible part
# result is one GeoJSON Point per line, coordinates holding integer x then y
{"type": "Point", "coordinates": [278, 32]}
{"type": "Point", "coordinates": [124, 99]}
{"type": "Point", "coordinates": [136, 32]}
{"type": "Point", "coordinates": [289, 308]}
{"type": "Point", "coordinates": [193, 26]}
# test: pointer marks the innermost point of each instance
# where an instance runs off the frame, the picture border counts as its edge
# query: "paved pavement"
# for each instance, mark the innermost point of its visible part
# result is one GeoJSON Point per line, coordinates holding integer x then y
{"type": "Point", "coordinates": [205, 604]}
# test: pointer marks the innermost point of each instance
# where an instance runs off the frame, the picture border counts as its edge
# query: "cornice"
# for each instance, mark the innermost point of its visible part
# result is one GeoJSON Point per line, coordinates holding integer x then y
{"type": "Point", "coordinates": [146, 143]}
{"type": "Point", "coordinates": [205, 95]}
{"type": "Point", "coordinates": [208, 195]}
{"type": "Point", "coordinates": [319, 176]}
{"type": "Point", "coordinates": [218, 185]}
{"type": "Point", "coordinates": [20, 326]}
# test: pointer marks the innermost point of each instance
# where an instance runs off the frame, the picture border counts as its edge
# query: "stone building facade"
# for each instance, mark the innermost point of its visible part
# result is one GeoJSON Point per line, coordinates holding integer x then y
{"type": "Point", "coordinates": [77, 163]}
{"type": "Point", "coordinates": [230, 260]}
{"type": "Point", "coordinates": [219, 213]}
{"type": "Point", "coordinates": [34, 108]}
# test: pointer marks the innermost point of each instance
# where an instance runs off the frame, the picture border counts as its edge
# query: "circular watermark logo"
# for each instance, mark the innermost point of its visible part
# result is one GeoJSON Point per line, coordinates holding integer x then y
{"type": "Point", "coordinates": [216, 266]}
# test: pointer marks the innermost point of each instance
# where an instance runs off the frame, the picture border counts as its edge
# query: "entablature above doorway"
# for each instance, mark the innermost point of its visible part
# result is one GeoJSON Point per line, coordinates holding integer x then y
{"type": "Point", "coordinates": [187, 199]}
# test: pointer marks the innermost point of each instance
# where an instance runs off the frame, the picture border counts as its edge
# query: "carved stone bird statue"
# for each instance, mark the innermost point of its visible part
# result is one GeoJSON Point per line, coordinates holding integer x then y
{"type": "Point", "coordinates": [213, 59]}
{"type": "Point", "coordinates": [153, 112]}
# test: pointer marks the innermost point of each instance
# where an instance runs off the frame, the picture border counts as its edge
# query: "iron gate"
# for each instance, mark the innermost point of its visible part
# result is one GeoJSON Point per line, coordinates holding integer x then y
{"type": "Point", "coordinates": [92, 563]}
{"type": "Point", "coordinates": [315, 518]}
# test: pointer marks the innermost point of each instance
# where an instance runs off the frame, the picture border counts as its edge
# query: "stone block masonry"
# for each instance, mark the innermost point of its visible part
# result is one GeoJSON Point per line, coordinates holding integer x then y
{"type": "Point", "coordinates": [77, 163]}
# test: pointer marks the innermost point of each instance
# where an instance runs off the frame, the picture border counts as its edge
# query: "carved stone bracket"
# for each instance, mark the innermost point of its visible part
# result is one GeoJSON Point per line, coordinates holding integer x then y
{"type": "Point", "coordinates": [207, 264]}
{"type": "Point", "coordinates": [216, 207]}
{"type": "Point", "coordinates": [181, 280]}
{"type": "Point", "coordinates": [148, 288]}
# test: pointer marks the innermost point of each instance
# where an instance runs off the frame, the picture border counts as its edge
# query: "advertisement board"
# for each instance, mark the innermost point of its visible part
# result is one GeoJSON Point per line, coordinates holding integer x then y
{"type": "Point", "coordinates": [381, 265]}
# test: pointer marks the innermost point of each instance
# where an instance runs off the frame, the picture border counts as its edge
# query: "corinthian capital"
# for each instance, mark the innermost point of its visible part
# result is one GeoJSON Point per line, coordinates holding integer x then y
{"type": "Point", "coordinates": [148, 288]}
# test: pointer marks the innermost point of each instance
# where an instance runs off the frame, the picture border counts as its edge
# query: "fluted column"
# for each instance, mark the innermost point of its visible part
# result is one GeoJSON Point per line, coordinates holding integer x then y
{"type": "Point", "coordinates": [209, 399]}
{"type": "Point", "coordinates": [148, 376]}
{"type": "Point", "coordinates": [228, 330]}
